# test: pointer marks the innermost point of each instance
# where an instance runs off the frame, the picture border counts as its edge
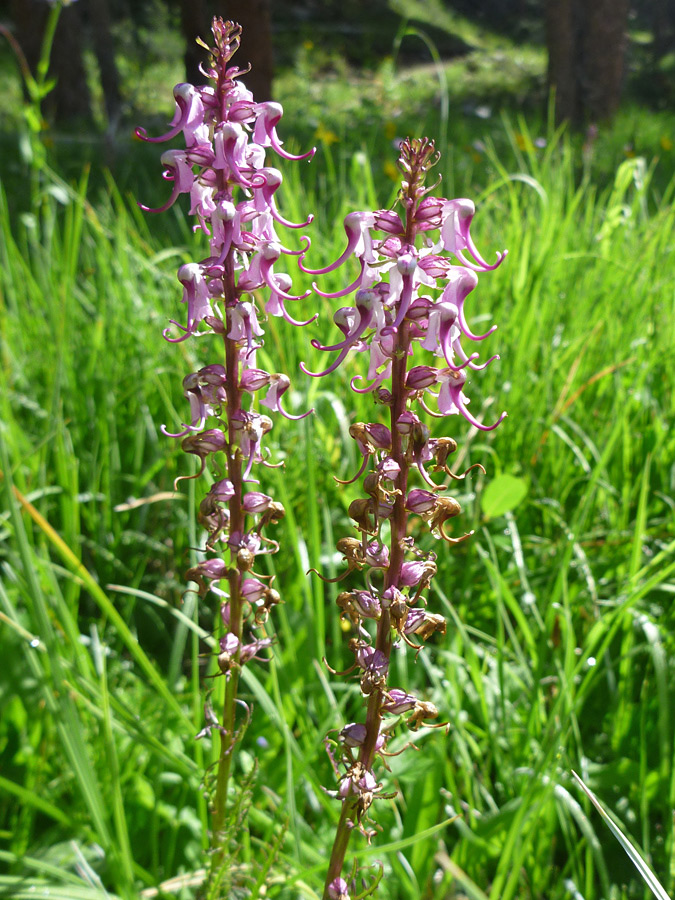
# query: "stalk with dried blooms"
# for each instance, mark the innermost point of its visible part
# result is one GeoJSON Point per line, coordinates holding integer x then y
{"type": "Point", "coordinates": [417, 266]}
{"type": "Point", "coordinates": [231, 190]}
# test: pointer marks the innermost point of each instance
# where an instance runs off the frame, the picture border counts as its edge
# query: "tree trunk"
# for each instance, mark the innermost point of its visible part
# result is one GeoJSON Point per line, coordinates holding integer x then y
{"type": "Point", "coordinates": [663, 26]}
{"type": "Point", "coordinates": [563, 64]}
{"type": "Point", "coordinates": [256, 44]}
{"type": "Point", "coordinates": [194, 23]}
{"type": "Point", "coordinates": [70, 98]}
{"type": "Point", "coordinates": [586, 47]}
{"type": "Point", "coordinates": [105, 56]}
{"type": "Point", "coordinates": [256, 40]}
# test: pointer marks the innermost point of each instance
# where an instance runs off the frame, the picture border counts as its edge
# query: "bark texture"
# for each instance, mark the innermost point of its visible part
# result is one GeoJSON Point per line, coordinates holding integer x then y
{"type": "Point", "coordinates": [70, 98]}
{"type": "Point", "coordinates": [586, 42]}
{"type": "Point", "coordinates": [256, 44]}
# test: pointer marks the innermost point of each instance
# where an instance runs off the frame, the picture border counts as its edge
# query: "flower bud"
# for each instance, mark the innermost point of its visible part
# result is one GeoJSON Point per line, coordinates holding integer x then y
{"type": "Point", "coordinates": [414, 619]}
{"type": "Point", "coordinates": [420, 377]}
{"type": "Point", "coordinates": [390, 222]}
{"type": "Point", "coordinates": [255, 502]}
{"type": "Point", "coordinates": [214, 374]}
{"type": "Point", "coordinates": [210, 441]}
{"type": "Point", "coordinates": [406, 264]}
{"type": "Point", "coordinates": [384, 396]}
{"type": "Point", "coordinates": [222, 490]}
{"type": "Point", "coordinates": [252, 590]}
{"type": "Point", "coordinates": [428, 214]}
{"type": "Point", "coordinates": [417, 572]}
{"type": "Point", "coordinates": [338, 890]}
{"type": "Point", "coordinates": [397, 701]}
{"type": "Point", "coordinates": [366, 605]}
{"type": "Point", "coordinates": [209, 569]}
{"type": "Point", "coordinates": [353, 735]}
{"type": "Point", "coordinates": [406, 421]}
{"type": "Point", "coordinates": [420, 501]}
{"type": "Point", "coordinates": [418, 311]}
{"type": "Point", "coordinates": [215, 324]}
{"type": "Point", "coordinates": [371, 437]}
{"type": "Point", "coordinates": [191, 382]}
{"type": "Point", "coordinates": [377, 555]}
{"type": "Point", "coordinates": [253, 379]}
{"type": "Point", "coordinates": [229, 646]}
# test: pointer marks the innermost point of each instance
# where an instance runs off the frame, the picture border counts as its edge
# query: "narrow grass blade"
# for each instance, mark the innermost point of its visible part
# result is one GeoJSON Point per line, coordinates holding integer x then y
{"type": "Point", "coordinates": [645, 872]}
{"type": "Point", "coordinates": [104, 603]}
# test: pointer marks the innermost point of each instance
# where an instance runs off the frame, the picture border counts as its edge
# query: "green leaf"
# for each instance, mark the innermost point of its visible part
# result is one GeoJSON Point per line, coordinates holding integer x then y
{"type": "Point", "coordinates": [503, 494]}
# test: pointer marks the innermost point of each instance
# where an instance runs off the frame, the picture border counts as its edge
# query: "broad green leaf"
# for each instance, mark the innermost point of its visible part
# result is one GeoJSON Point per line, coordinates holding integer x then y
{"type": "Point", "coordinates": [503, 494]}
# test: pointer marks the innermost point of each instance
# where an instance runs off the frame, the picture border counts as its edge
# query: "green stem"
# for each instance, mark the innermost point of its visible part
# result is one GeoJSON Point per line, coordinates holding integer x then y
{"type": "Point", "coordinates": [47, 44]}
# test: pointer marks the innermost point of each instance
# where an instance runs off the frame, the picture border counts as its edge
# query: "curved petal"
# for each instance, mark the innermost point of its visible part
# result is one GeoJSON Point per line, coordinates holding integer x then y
{"type": "Point", "coordinates": [265, 132]}
{"type": "Point", "coordinates": [348, 290]}
{"type": "Point", "coordinates": [354, 224]}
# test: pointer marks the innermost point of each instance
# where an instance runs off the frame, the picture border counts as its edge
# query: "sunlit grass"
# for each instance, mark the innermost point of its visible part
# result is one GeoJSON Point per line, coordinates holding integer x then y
{"type": "Point", "coordinates": [558, 655]}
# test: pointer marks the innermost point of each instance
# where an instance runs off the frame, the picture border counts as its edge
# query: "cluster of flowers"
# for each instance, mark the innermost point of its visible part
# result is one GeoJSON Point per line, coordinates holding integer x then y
{"type": "Point", "coordinates": [231, 190]}
{"type": "Point", "coordinates": [416, 270]}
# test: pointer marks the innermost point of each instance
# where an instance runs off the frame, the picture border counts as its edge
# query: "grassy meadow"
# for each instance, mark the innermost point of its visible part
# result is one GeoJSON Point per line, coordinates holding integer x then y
{"type": "Point", "coordinates": [561, 638]}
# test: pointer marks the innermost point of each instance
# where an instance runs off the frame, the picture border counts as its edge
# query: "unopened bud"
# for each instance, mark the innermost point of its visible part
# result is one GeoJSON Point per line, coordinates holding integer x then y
{"type": "Point", "coordinates": [384, 396]}
{"type": "Point", "coordinates": [420, 501]}
{"type": "Point", "coordinates": [366, 605]}
{"type": "Point", "coordinates": [252, 590]}
{"type": "Point", "coordinates": [353, 735]}
{"type": "Point", "coordinates": [398, 701]}
{"type": "Point", "coordinates": [420, 377]}
{"type": "Point", "coordinates": [254, 379]}
{"type": "Point", "coordinates": [255, 502]}
{"type": "Point", "coordinates": [215, 324]}
{"type": "Point", "coordinates": [406, 421]}
{"type": "Point", "coordinates": [229, 647]}
{"type": "Point", "coordinates": [406, 264]}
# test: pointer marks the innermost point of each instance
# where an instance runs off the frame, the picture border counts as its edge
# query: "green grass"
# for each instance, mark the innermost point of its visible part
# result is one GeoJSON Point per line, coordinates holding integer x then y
{"type": "Point", "coordinates": [560, 646]}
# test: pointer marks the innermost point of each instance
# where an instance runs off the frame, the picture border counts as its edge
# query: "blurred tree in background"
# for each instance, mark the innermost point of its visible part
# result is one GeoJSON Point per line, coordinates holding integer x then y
{"type": "Point", "coordinates": [586, 48]}
{"type": "Point", "coordinates": [587, 41]}
{"type": "Point", "coordinates": [256, 42]}
{"type": "Point", "coordinates": [70, 97]}
{"type": "Point", "coordinates": [87, 23]}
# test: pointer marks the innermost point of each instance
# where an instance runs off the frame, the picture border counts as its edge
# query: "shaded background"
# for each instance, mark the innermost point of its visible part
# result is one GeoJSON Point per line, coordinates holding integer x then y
{"type": "Point", "coordinates": [596, 51]}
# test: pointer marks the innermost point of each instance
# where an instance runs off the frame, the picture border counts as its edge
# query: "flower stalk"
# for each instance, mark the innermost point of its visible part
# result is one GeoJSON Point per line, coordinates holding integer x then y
{"type": "Point", "coordinates": [416, 269]}
{"type": "Point", "coordinates": [231, 190]}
